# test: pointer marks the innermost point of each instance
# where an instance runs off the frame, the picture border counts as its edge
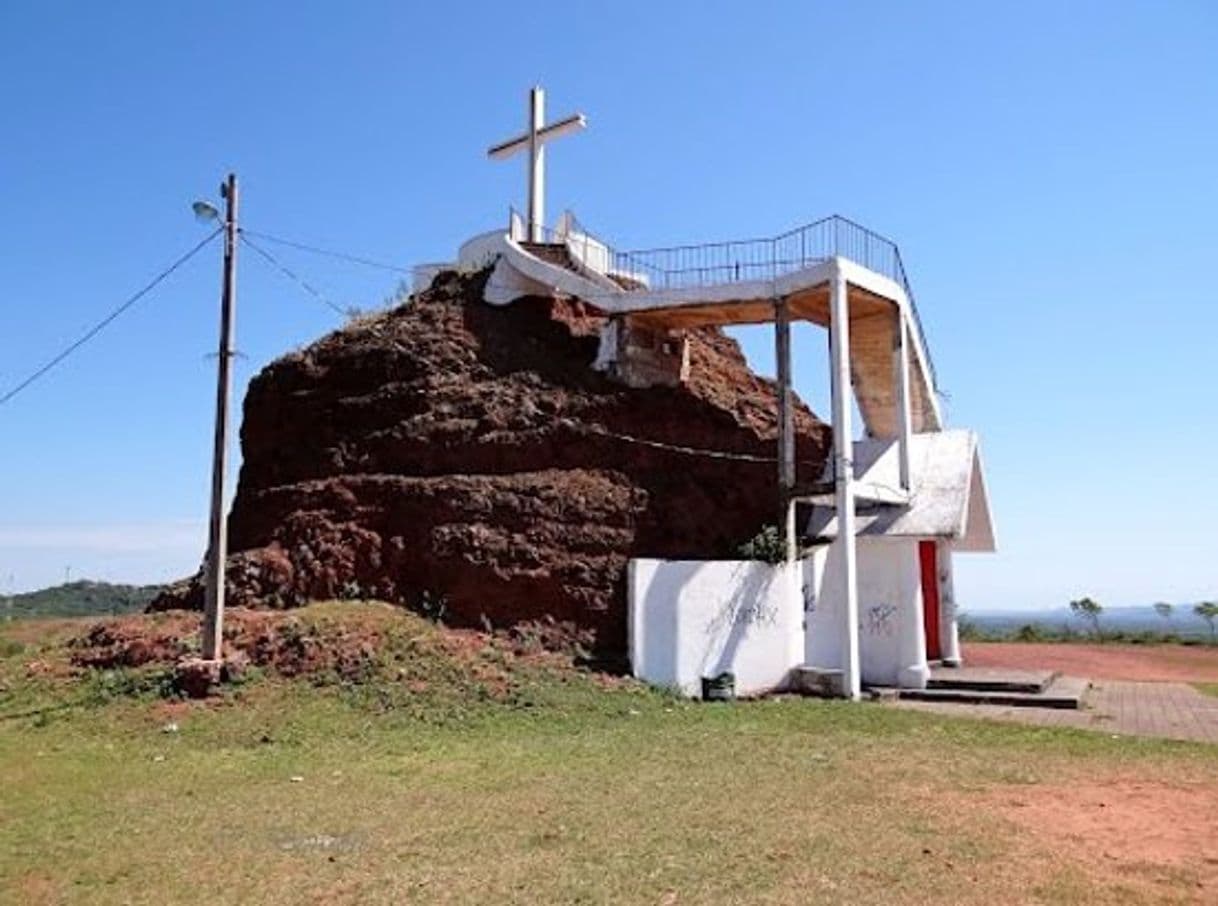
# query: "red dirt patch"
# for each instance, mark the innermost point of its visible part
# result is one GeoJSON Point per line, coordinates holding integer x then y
{"type": "Point", "coordinates": [1152, 834]}
{"type": "Point", "coordinates": [1142, 663]}
{"type": "Point", "coordinates": [274, 640]}
{"type": "Point", "coordinates": [352, 642]}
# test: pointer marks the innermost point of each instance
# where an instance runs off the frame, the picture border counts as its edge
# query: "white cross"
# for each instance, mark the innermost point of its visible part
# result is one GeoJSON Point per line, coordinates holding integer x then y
{"type": "Point", "coordinates": [534, 140]}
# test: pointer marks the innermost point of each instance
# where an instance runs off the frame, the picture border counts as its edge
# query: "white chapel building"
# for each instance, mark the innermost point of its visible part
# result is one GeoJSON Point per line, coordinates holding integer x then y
{"type": "Point", "coordinates": [864, 595]}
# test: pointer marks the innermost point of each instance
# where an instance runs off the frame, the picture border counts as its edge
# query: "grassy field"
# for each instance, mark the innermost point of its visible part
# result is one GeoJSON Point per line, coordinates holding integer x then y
{"type": "Point", "coordinates": [417, 785]}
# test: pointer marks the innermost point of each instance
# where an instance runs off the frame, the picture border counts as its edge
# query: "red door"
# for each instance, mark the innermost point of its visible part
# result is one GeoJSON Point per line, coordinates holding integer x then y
{"type": "Point", "coordinates": [928, 555]}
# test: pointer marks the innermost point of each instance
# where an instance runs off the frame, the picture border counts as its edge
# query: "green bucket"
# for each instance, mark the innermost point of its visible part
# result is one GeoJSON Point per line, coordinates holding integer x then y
{"type": "Point", "coordinates": [721, 688]}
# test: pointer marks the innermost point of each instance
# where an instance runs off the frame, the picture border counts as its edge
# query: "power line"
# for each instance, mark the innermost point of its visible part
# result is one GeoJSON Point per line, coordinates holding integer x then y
{"type": "Point", "coordinates": [291, 275]}
{"type": "Point", "coordinates": [675, 448]}
{"type": "Point", "coordinates": [341, 256]}
{"type": "Point", "coordinates": [602, 431]}
{"type": "Point", "coordinates": [105, 322]}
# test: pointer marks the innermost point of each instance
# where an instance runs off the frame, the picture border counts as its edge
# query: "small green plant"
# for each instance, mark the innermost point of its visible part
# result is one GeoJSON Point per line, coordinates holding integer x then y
{"type": "Point", "coordinates": [1089, 611]}
{"type": "Point", "coordinates": [103, 686]}
{"type": "Point", "coordinates": [767, 545]}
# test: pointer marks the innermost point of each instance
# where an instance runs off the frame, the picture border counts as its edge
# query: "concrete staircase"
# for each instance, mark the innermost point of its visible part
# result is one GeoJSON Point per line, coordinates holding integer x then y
{"type": "Point", "coordinates": [555, 253]}
{"type": "Point", "coordinates": [874, 317]}
{"type": "Point", "coordinates": [1008, 688]}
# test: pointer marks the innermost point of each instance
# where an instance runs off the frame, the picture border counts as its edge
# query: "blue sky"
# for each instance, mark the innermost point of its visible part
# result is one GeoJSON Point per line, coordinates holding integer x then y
{"type": "Point", "coordinates": [1048, 169]}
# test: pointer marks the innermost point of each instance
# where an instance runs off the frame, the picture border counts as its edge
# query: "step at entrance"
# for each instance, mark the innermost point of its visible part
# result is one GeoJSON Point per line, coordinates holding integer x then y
{"type": "Point", "coordinates": [989, 679]}
{"type": "Point", "coordinates": [1059, 692]}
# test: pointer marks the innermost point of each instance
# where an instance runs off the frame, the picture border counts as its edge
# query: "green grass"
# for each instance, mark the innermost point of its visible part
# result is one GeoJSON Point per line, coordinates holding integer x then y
{"type": "Point", "coordinates": [1207, 688]}
{"type": "Point", "coordinates": [560, 791]}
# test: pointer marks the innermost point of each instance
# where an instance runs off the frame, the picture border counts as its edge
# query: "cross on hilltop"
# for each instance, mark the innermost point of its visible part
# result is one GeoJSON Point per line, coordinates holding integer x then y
{"type": "Point", "coordinates": [533, 140]}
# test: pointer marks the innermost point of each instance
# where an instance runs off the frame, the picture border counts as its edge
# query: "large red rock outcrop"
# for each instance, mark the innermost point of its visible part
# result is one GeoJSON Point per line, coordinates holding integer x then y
{"type": "Point", "coordinates": [453, 455]}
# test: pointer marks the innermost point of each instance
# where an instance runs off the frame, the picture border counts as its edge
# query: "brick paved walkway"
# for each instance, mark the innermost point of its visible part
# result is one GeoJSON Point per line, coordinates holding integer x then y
{"type": "Point", "coordinates": [1168, 710]}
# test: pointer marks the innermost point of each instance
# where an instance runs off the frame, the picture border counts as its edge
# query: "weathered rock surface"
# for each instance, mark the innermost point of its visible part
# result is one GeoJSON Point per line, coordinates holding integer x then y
{"type": "Point", "coordinates": [453, 455]}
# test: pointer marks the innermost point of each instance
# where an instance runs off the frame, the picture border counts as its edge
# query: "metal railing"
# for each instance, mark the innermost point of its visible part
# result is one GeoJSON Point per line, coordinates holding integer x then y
{"type": "Point", "coordinates": [743, 260]}
{"type": "Point", "coordinates": [691, 266]}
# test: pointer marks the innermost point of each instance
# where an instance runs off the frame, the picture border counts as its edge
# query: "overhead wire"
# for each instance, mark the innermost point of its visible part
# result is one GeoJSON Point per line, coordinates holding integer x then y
{"type": "Point", "coordinates": [108, 319]}
{"type": "Point", "coordinates": [330, 253]}
{"type": "Point", "coordinates": [293, 276]}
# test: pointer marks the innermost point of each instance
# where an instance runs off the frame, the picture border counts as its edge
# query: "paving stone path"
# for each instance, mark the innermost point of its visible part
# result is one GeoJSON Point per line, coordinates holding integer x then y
{"type": "Point", "coordinates": [1167, 710]}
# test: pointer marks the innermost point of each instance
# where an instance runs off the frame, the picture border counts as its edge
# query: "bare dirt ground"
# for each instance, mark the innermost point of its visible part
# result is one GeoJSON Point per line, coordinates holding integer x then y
{"type": "Point", "coordinates": [1158, 838]}
{"type": "Point", "coordinates": [1142, 663]}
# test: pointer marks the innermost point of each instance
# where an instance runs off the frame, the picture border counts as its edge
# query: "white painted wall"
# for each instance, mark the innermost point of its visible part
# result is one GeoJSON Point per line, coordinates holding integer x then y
{"type": "Point", "coordinates": [892, 639]}
{"type": "Point", "coordinates": [892, 636]}
{"type": "Point", "coordinates": [479, 251]}
{"type": "Point", "coordinates": [689, 619]}
{"type": "Point", "coordinates": [823, 599]}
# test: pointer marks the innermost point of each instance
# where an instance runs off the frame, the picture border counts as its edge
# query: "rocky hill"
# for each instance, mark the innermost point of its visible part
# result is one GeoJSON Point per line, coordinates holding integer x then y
{"type": "Point", "coordinates": [464, 458]}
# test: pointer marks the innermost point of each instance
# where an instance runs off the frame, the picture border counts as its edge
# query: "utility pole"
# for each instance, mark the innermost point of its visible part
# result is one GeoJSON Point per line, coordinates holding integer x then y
{"type": "Point", "coordinates": [217, 546]}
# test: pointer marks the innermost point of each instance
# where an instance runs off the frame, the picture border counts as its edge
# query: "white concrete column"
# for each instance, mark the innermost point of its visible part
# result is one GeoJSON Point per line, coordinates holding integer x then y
{"type": "Point", "coordinates": [914, 669]}
{"type": "Point", "coordinates": [786, 427]}
{"type": "Point", "coordinates": [843, 472]}
{"type": "Point", "coordinates": [949, 630]}
{"type": "Point", "coordinates": [537, 165]}
{"type": "Point", "coordinates": [904, 415]}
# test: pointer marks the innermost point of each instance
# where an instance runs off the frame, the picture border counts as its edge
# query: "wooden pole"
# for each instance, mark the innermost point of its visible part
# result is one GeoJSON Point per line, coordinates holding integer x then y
{"type": "Point", "coordinates": [217, 547]}
{"type": "Point", "coordinates": [786, 428]}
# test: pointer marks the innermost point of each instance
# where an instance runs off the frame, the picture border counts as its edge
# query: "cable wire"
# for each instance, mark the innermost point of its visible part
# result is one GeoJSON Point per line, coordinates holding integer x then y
{"type": "Point", "coordinates": [106, 321]}
{"type": "Point", "coordinates": [341, 256]}
{"type": "Point", "coordinates": [291, 275]}
{"type": "Point", "coordinates": [674, 448]}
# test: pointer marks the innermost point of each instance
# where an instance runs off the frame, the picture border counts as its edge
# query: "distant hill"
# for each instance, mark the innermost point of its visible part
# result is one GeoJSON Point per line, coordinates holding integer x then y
{"type": "Point", "coordinates": [1137, 619]}
{"type": "Point", "coordinates": [78, 599]}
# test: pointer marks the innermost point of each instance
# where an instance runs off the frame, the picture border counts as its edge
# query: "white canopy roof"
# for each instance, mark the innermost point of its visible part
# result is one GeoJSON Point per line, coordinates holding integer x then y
{"type": "Point", "coordinates": [947, 499]}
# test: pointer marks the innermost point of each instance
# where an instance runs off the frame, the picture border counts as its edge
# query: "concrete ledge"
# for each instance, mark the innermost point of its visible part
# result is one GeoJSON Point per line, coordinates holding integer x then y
{"type": "Point", "coordinates": [817, 681]}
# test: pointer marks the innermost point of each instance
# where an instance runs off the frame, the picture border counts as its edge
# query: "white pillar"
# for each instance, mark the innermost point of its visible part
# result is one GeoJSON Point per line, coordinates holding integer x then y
{"type": "Point", "coordinates": [537, 165]}
{"type": "Point", "coordinates": [786, 428]}
{"type": "Point", "coordinates": [843, 472]}
{"type": "Point", "coordinates": [949, 630]}
{"type": "Point", "coordinates": [904, 415]}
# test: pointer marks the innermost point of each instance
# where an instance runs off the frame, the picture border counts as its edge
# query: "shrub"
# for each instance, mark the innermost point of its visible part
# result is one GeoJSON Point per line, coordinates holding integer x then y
{"type": "Point", "coordinates": [1030, 632]}
{"type": "Point", "coordinates": [767, 545]}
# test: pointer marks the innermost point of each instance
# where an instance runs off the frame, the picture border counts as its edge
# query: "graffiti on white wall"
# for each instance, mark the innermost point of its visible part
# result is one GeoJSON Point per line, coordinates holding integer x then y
{"type": "Point", "coordinates": [878, 620]}
{"type": "Point", "coordinates": [809, 593]}
{"type": "Point", "coordinates": [751, 613]}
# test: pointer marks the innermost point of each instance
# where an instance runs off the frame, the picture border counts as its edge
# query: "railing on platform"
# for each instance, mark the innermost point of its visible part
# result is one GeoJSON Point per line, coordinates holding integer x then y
{"type": "Point", "coordinates": [739, 261]}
